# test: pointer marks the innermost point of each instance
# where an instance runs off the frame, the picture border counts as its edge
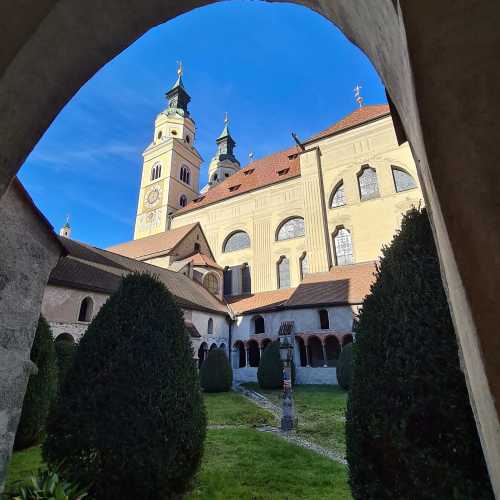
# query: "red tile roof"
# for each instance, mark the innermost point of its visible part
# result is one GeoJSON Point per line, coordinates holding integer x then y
{"type": "Point", "coordinates": [264, 172]}
{"type": "Point", "coordinates": [202, 260]}
{"type": "Point", "coordinates": [358, 117]}
{"type": "Point", "coordinates": [279, 166]}
{"type": "Point", "coordinates": [259, 300]}
{"type": "Point", "coordinates": [154, 245]}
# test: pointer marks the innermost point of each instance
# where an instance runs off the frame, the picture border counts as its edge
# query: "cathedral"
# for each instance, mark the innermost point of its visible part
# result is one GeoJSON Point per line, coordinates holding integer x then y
{"type": "Point", "coordinates": [289, 238]}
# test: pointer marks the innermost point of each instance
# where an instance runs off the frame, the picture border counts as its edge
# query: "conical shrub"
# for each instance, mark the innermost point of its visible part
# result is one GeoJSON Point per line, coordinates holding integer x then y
{"type": "Point", "coordinates": [215, 372]}
{"type": "Point", "coordinates": [41, 390]}
{"type": "Point", "coordinates": [410, 428]}
{"type": "Point", "coordinates": [130, 419]}
{"type": "Point", "coordinates": [344, 367]}
{"type": "Point", "coordinates": [270, 371]}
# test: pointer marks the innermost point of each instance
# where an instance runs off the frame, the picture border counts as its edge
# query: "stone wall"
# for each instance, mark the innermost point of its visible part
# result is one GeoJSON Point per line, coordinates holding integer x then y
{"type": "Point", "coordinates": [28, 251]}
{"type": "Point", "coordinates": [316, 375]}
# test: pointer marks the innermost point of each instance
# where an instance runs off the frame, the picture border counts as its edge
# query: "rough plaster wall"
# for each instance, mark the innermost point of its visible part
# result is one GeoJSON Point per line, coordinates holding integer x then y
{"type": "Point", "coordinates": [28, 254]}
{"type": "Point", "coordinates": [66, 47]}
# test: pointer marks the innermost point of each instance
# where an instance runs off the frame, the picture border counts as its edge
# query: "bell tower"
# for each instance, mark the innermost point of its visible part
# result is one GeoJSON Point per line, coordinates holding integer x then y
{"type": "Point", "coordinates": [171, 165]}
{"type": "Point", "coordinates": [224, 163]}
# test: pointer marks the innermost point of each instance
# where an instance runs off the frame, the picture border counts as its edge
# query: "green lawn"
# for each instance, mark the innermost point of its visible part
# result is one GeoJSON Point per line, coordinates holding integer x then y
{"type": "Point", "coordinates": [241, 463]}
{"type": "Point", "coordinates": [230, 408]}
{"type": "Point", "coordinates": [321, 412]}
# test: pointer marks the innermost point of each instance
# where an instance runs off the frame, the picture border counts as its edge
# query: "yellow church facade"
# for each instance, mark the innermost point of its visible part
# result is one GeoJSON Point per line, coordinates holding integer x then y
{"type": "Point", "coordinates": [334, 199]}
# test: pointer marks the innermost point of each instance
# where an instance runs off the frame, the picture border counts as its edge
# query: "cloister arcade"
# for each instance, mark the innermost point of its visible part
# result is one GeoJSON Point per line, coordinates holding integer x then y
{"type": "Point", "coordinates": [313, 350]}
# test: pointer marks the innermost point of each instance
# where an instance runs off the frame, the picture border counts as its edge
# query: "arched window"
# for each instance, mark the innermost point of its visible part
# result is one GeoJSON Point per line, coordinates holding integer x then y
{"type": "Point", "coordinates": [183, 201]}
{"type": "Point", "coordinates": [283, 273]}
{"type": "Point", "coordinates": [324, 320]}
{"type": "Point", "coordinates": [368, 184]}
{"type": "Point", "coordinates": [228, 281]}
{"type": "Point", "coordinates": [185, 174]}
{"type": "Point", "coordinates": [156, 171]}
{"type": "Point", "coordinates": [236, 241]}
{"type": "Point", "coordinates": [246, 279]}
{"type": "Point", "coordinates": [210, 326]}
{"type": "Point", "coordinates": [338, 198]}
{"type": "Point", "coordinates": [214, 177]}
{"type": "Point", "coordinates": [65, 337]}
{"type": "Point", "coordinates": [211, 283]}
{"type": "Point", "coordinates": [291, 228]}
{"type": "Point", "coordinates": [253, 353]}
{"type": "Point", "coordinates": [342, 243]}
{"type": "Point", "coordinates": [304, 265]}
{"type": "Point", "coordinates": [259, 325]}
{"type": "Point", "coordinates": [242, 358]}
{"type": "Point", "coordinates": [402, 180]}
{"type": "Point", "coordinates": [202, 353]}
{"type": "Point", "coordinates": [86, 307]}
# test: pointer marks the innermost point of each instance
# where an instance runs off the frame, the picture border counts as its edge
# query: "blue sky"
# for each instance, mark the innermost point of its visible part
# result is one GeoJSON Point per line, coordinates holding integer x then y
{"type": "Point", "coordinates": [275, 68]}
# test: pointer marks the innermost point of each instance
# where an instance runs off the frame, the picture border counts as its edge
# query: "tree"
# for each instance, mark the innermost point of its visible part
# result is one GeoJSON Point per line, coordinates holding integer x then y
{"type": "Point", "coordinates": [216, 374]}
{"type": "Point", "coordinates": [65, 351]}
{"type": "Point", "coordinates": [344, 367]}
{"type": "Point", "coordinates": [130, 419]}
{"type": "Point", "coordinates": [270, 371]}
{"type": "Point", "coordinates": [410, 428]}
{"type": "Point", "coordinates": [41, 389]}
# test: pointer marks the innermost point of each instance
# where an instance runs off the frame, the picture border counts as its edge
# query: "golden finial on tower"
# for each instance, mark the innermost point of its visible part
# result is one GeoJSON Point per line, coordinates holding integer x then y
{"type": "Point", "coordinates": [357, 95]}
{"type": "Point", "coordinates": [180, 69]}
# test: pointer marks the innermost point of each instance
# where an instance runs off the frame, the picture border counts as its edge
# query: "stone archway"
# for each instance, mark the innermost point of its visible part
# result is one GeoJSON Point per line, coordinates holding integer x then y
{"type": "Point", "coordinates": [55, 47]}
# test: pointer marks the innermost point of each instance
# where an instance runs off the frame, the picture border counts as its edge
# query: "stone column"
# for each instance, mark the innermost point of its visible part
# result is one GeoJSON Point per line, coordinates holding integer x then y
{"type": "Point", "coordinates": [308, 361]}
{"type": "Point", "coordinates": [325, 361]}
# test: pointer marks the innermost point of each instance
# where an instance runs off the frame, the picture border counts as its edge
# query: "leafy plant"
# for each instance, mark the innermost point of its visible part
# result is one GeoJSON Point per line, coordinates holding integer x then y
{"type": "Point", "coordinates": [48, 485]}
{"type": "Point", "coordinates": [410, 428]}
{"type": "Point", "coordinates": [130, 418]}
{"type": "Point", "coordinates": [41, 390]}
{"type": "Point", "coordinates": [216, 374]}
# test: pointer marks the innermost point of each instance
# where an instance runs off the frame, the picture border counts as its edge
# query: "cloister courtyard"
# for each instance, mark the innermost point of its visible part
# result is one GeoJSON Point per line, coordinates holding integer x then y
{"type": "Point", "coordinates": [244, 459]}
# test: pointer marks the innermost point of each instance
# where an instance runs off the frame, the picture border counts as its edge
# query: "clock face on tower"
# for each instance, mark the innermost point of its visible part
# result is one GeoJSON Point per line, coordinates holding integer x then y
{"type": "Point", "coordinates": [152, 196]}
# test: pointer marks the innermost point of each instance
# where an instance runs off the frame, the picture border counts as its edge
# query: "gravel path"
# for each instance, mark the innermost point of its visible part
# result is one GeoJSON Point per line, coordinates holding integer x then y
{"type": "Point", "coordinates": [291, 437]}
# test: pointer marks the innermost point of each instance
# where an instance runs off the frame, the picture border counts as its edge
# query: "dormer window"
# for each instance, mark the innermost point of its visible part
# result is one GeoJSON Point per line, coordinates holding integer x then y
{"type": "Point", "coordinates": [234, 188]}
{"type": "Point", "coordinates": [248, 172]}
{"type": "Point", "coordinates": [283, 171]}
{"type": "Point", "coordinates": [197, 200]}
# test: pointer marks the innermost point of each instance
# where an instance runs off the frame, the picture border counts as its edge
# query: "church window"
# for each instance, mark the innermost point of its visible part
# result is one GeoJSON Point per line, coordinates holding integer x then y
{"type": "Point", "coordinates": [188, 139]}
{"type": "Point", "coordinates": [283, 273]}
{"type": "Point", "coordinates": [211, 283]}
{"type": "Point", "coordinates": [324, 320]}
{"type": "Point", "coordinates": [183, 200]}
{"type": "Point", "coordinates": [246, 279]}
{"type": "Point", "coordinates": [210, 326]}
{"type": "Point", "coordinates": [159, 134]}
{"type": "Point", "coordinates": [258, 325]}
{"type": "Point", "coordinates": [237, 241]}
{"type": "Point", "coordinates": [228, 281]}
{"type": "Point", "coordinates": [402, 180]}
{"type": "Point", "coordinates": [86, 307]}
{"type": "Point", "coordinates": [291, 228]}
{"type": "Point", "coordinates": [196, 247]}
{"type": "Point", "coordinates": [173, 132]}
{"type": "Point", "coordinates": [368, 184]}
{"type": "Point", "coordinates": [227, 175]}
{"type": "Point", "coordinates": [214, 177]}
{"type": "Point", "coordinates": [338, 196]}
{"type": "Point", "coordinates": [156, 171]}
{"type": "Point", "coordinates": [304, 265]}
{"type": "Point", "coordinates": [185, 174]}
{"type": "Point", "coordinates": [343, 247]}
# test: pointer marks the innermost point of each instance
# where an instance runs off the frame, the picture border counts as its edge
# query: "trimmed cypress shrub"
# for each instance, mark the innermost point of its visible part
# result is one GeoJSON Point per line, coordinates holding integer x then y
{"type": "Point", "coordinates": [344, 367]}
{"type": "Point", "coordinates": [41, 389]}
{"type": "Point", "coordinates": [410, 428]}
{"type": "Point", "coordinates": [130, 419]}
{"type": "Point", "coordinates": [65, 351]}
{"type": "Point", "coordinates": [215, 373]}
{"type": "Point", "coordinates": [270, 371]}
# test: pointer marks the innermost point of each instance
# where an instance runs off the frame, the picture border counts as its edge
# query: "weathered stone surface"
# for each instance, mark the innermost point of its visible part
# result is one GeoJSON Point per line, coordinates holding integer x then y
{"type": "Point", "coordinates": [28, 253]}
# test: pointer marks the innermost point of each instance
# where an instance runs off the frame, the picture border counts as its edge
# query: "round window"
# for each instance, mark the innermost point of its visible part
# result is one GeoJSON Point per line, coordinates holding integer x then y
{"type": "Point", "coordinates": [188, 139]}
{"type": "Point", "coordinates": [174, 132]}
{"type": "Point", "coordinates": [159, 134]}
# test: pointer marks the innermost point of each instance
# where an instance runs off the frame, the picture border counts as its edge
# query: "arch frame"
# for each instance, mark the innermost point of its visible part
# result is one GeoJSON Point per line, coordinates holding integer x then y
{"type": "Point", "coordinates": [283, 223]}
{"type": "Point", "coordinates": [231, 235]}
{"type": "Point", "coordinates": [68, 41]}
